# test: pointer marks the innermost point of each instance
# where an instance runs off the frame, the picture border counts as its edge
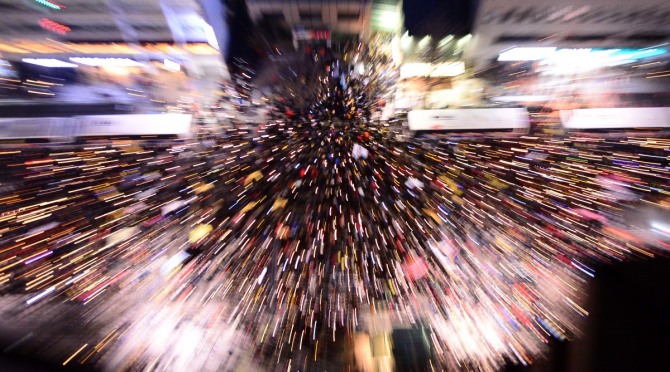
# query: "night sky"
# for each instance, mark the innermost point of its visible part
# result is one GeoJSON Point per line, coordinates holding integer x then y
{"type": "Point", "coordinates": [439, 17]}
{"type": "Point", "coordinates": [241, 29]}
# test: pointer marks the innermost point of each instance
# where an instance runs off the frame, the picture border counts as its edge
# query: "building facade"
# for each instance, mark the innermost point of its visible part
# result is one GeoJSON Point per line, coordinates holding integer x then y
{"type": "Point", "coordinates": [192, 33]}
{"type": "Point", "coordinates": [316, 19]}
{"type": "Point", "coordinates": [503, 24]}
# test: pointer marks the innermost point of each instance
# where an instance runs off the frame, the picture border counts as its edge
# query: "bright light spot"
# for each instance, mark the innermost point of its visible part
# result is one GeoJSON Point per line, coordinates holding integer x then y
{"type": "Point", "coordinates": [409, 70]}
{"type": "Point", "coordinates": [211, 35]}
{"type": "Point", "coordinates": [424, 42]}
{"type": "Point", "coordinates": [171, 65]}
{"type": "Point", "coordinates": [464, 40]}
{"type": "Point", "coordinates": [48, 62]}
{"type": "Point", "coordinates": [664, 228]}
{"type": "Point", "coordinates": [526, 54]}
{"type": "Point", "coordinates": [118, 62]}
{"type": "Point", "coordinates": [444, 42]}
{"type": "Point", "coordinates": [406, 40]}
{"type": "Point", "coordinates": [262, 276]}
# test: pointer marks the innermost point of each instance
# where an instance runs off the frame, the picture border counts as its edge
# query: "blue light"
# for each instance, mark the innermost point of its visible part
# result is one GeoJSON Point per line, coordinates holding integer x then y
{"type": "Point", "coordinates": [634, 54]}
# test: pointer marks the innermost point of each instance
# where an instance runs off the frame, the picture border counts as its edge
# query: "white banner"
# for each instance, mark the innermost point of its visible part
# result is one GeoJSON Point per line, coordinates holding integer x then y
{"type": "Point", "coordinates": [612, 118]}
{"type": "Point", "coordinates": [27, 128]}
{"type": "Point", "coordinates": [134, 125]}
{"type": "Point", "coordinates": [469, 119]}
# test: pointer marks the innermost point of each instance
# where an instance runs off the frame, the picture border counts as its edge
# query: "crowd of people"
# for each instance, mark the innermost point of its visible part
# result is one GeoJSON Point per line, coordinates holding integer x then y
{"type": "Point", "coordinates": [487, 241]}
{"type": "Point", "coordinates": [319, 222]}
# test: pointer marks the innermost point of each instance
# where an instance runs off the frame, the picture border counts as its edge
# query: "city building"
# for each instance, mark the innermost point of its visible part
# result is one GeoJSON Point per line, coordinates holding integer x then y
{"type": "Point", "coordinates": [433, 73]}
{"type": "Point", "coordinates": [316, 21]}
{"type": "Point", "coordinates": [188, 36]}
{"type": "Point", "coordinates": [595, 54]}
{"type": "Point", "coordinates": [504, 24]}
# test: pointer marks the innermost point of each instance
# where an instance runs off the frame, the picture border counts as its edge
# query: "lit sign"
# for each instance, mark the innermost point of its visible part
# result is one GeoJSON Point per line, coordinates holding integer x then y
{"type": "Point", "coordinates": [636, 53]}
{"type": "Point", "coordinates": [410, 70]}
{"type": "Point", "coordinates": [302, 34]}
{"type": "Point", "coordinates": [52, 26]}
{"type": "Point", "coordinates": [536, 54]}
{"type": "Point", "coordinates": [320, 34]}
{"type": "Point", "coordinates": [54, 47]}
{"type": "Point", "coordinates": [117, 62]}
{"type": "Point", "coordinates": [386, 17]}
{"type": "Point", "coordinates": [526, 54]}
{"type": "Point", "coordinates": [571, 61]}
{"type": "Point", "coordinates": [171, 65]}
{"type": "Point", "coordinates": [48, 62]}
{"type": "Point", "coordinates": [50, 4]}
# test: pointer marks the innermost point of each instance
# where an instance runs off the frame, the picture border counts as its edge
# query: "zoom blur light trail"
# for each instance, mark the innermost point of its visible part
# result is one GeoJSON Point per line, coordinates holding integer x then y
{"type": "Point", "coordinates": [288, 242]}
{"type": "Point", "coordinates": [270, 250]}
{"type": "Point", "coordinates": [55, 27]}
{"type": "Point", "coordinates": [50, 4]}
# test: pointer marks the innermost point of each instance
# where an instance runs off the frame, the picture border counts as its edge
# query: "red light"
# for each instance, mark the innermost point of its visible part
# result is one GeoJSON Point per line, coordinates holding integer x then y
{"type": "Point", "coordinates": [52, 26]}
{"type": "Point", "coordinates": [61, 6]}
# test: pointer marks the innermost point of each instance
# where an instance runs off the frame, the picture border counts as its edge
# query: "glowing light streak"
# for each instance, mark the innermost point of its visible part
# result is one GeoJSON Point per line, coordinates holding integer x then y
{"type": "Point", "coordinates": [40, 296]}
{"type": "Point", "coordinates": [53, 26]}
{"type": "Point", "coordinates": [49, 62]}
{"type": "Point", "coordinates": [50, 4]}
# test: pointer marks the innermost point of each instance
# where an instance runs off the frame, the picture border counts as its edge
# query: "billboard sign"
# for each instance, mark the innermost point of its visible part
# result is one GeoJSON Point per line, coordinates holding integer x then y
{"type": "Point", "coordinates": [468, 119]}
{"type": "Point", "coordinates": [612, 118]}
{"type": "Point", "coordinates": [302, 34]}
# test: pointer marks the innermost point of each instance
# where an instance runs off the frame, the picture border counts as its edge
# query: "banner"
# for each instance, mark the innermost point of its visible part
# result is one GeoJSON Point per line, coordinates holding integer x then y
{"type": "Point", "coordinates": [469, 119]}
{"type": "Point", "coordinates": [612, 118]}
